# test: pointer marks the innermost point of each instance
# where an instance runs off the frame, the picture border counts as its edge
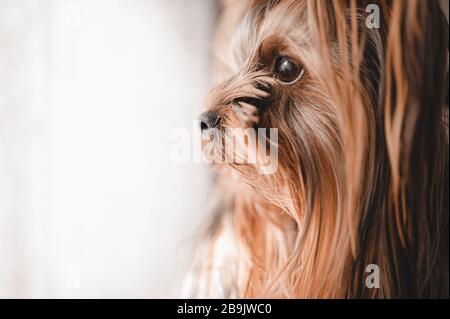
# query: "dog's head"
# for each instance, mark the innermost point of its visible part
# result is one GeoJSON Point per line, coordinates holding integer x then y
{"type": "Point", "coordinates": [274, 83]}
{"type": "Point", "coordinates": [273, 76]}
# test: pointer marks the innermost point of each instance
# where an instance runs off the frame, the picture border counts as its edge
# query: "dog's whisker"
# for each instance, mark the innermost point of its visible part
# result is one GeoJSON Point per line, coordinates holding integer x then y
{"type": "Point", "coordinates": [248, 108]}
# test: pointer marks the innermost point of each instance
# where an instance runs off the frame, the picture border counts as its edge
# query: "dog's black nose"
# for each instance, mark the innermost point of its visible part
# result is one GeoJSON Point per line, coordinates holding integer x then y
{"type": "Point", "coordinates": [209, 120]}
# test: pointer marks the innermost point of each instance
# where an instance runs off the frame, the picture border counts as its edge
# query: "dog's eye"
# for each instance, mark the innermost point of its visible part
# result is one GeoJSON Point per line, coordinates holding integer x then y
{"type": "Point", "coordinates": [287, 71]}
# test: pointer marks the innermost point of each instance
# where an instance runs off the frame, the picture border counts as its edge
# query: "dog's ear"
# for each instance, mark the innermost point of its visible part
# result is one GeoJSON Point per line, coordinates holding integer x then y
{"type": "Point", "coordinates": [239, 7]}
{"type": "Point", "coordinates": [231, 12]}
{"type": "Point", "coordinates": [236, 9]}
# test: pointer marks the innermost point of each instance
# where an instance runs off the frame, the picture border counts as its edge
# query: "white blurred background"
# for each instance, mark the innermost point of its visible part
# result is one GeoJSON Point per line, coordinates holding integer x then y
{"type": "Point", "coordinates": [90, 203]}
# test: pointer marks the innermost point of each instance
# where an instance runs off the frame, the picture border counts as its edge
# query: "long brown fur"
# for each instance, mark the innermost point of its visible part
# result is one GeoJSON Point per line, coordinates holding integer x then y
{"type": "Point", "coordinates": [362, 151]}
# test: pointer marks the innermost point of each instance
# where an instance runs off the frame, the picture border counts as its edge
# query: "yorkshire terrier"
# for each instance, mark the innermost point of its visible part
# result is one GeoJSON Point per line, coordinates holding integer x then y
{"type": "Point", "coordinates": [362, 177]}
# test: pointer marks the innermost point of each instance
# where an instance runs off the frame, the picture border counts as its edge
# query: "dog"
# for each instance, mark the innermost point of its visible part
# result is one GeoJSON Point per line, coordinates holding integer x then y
{"type": "Point", "coordinates": [358, 204]}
